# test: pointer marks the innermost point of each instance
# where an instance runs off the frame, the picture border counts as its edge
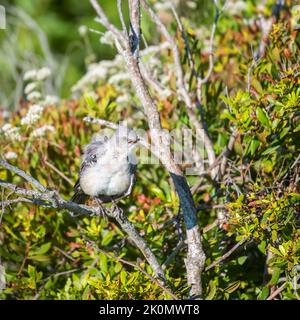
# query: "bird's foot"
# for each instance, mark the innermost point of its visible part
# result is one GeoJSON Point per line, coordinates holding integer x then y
{"type": "Point", "coordinates": [55, 198]}
{"type": "Point", "coordinates": [101, 210]}
{"type": "Point", "coordinates": [116, 210]}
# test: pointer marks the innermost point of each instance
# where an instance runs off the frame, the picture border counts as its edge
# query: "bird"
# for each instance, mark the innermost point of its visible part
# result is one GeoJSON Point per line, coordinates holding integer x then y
{"type": "Point", "coordinates": [108, 168]}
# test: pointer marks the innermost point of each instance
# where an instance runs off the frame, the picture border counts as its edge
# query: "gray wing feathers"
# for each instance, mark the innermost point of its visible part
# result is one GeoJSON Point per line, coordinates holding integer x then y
{"type": "Point", "coordinates": [92, 152]}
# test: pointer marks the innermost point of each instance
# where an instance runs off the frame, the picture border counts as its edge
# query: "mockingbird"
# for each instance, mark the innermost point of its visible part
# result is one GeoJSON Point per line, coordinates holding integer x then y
{"type": "Point", "coordinates": [107, 171]}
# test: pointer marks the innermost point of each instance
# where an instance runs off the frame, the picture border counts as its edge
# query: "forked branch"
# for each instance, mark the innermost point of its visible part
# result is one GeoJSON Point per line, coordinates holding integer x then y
{"type": "Point", "coordinates": [195, 258]}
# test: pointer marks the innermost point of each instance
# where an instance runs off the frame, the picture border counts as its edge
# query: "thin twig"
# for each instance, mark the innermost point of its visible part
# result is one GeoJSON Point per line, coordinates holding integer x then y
{"type": "Point", "coordinates": [276, 292]}
{"type": "Point", "coordinates": [105, 22]}
{"type": "Point", "coordinates": [71, 183]}
{"type": "Point", "coordinates": [64, 253]}
{"type": "Point", "coordinates": [92, 265]}
{"type": "Point", "coordinates": [2, 205]}
{"type": "Point", "coordinates": [181, 244]}
{"type": "Point", "coordinates": [211, 226]}
{"type": "Point", "coordinates": [227, 151]}
{"type": "Point", "coordinates": [122, 17]}
{"type": "Point", "coordinates": [226, 255]}
{"type": "Point", "coordinates": [101, 122]}
{"type": "Point", "coordinates": [63, 273]}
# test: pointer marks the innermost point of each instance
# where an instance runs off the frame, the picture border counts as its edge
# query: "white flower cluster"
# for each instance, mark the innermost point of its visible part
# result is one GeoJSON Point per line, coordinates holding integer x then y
{"type": "Point", "coordinates": [107, 38]}
{"type": "Point", "coordinates": [96, 72]}
{"type": "Point", "coordinates": [123, 99]}
{"type": "Point", "coordinates": [82, 30]}
{"type": "Point", "coordinates": [11, 132]}
{"type": "Point", "coordinates": [30, 87]}
{"type": "Point", "coordinates": [118, 77]}
{"type": "Point", "coordinates": [49, 100]}
{"type": "Point", "coordinates": [115, 72]}
{"type": "Point", "coordinates": [37, 74]}
{"type": "Point", "coordinates": [235, 7]}
{"type": "Point", "coordinates": [34, 96]}
{"type": "Point", "coordinates": [33, 114]}
{"type": "Point", "coordinates": [10, 155]}
{"type": "Point", "coordinates": [33, 88]}
{"type": "Point", "coordinates": [39, 132]}
{"type": "Point", "coordinates": [162, 6]}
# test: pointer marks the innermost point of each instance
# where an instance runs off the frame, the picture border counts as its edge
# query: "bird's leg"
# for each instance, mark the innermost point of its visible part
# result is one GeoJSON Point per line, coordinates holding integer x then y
{"type": "Point", "coordinates": [101, 209]}
{"type": "Point", "coordinates": [117, 211]}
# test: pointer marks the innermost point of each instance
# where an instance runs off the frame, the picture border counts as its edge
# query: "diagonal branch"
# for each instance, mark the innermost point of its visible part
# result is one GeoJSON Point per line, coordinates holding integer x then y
{"type": "Point", "coordinates": [122, 17]}
{"type": "Point", "coordinates": [135, 24]}
{"type": "Point", "coordinates": [195, 257]}
{"type": "Point", "coordinates": [226, 255]}
{"type": "Point", "coordinates": [22, 174]}
{"type": "Point", "coordinates": [102, 19]}
{"type": "Point", "coordinates": [182, 90]}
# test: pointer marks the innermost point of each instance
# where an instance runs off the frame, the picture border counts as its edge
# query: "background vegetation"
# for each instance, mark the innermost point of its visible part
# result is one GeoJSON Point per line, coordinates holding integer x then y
{"type": "Point", "coordinates": [252, 209]}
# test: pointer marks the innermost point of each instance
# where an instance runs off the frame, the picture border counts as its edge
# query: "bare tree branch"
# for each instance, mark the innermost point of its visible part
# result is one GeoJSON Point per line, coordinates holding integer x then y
{"type": "Point", "coordinates": [174, 253]}
{"type": "Point", "coordinates": [122, 17]}
{"type": "Point", "coordinates": [106, 23]}
{"type": "Point", "coordinates": [276, 292]}
{"type": "Point", "coordinates": [195, 258]}
{"type": "Point", "coordinates": [52, 166]}
{"type": "Point", "coordinates": [101, 122]}
{"type": "Point", "coordinates": [227, 151]}
{"type": "Point", "coordinates": [22, 174]}
{"type": "Point", "coordinates": [135, 24]}
{"type": "Point", "coordinates": [182, 90]}
{"type": "Point", "coordinates": [226, 255]}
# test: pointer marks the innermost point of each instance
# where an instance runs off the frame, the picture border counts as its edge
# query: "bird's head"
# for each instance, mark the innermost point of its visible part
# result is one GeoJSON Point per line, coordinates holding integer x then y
{"type": "Point", "coordinates": [125, 138]}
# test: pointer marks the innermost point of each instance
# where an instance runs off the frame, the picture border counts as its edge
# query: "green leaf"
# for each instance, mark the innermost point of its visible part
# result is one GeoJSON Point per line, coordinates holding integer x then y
{"type": "Point", "coordinates": [276, 251]}
{"type": "Point", "coordinates": [212, 290]}
{"type": "Point", "coordinates": [262, 247]}
{"type": "Point", "coordinates": [103, 262]}
{"type": "Point", "coordinates": [41, 250]}
{"type": "Point", "coordinates": [274, 235]}
{"type": "Point", "coordinates": [270, 150]}
{"type": "Point", "coordinates": [275, 277]}
{"type": "Point", "coordinates": [41, 258]}
{"type": "Point", "coordinates": [253, 146]}
{"type": "Point", "coordinates": [263, 294]}
{"type": "Point", "coordinates": [123, 277]}
{"type": "Point", "coordinates": [157, 191]}
{"type": "Point", "coordinates": [90, 101]}
{"type": "Point", "coordinates": [31, 271]}
{"type": "Point", "coordinates": [257, 86]}
{"type": "Point", "coordinates": [241, 260]}
{"type": "Point", "coordinates": [234, 286]}
{"type": "Point", "coordinates": [263, 117]}
{"type": "Point", "coordinates": [118, 267]}
{"type": "Point", "coordinates": [107, 238]}
{"type": "Point", "coordinates": [227, 115]}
